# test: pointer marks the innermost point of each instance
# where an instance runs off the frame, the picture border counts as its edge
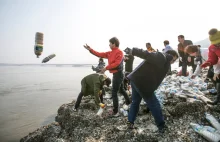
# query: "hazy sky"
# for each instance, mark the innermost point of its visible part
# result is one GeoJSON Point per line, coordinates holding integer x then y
{"type": "Point", "coordinates": [69, 24]}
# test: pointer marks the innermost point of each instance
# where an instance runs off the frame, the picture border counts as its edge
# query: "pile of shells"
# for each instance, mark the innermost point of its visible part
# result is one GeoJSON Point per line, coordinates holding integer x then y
{"type": "Point", "coordinates": [85, 126]}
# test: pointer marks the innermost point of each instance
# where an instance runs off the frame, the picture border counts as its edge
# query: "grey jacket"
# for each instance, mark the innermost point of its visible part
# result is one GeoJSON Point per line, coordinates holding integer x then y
{"type": "Point", "coordinates": [100, 66]}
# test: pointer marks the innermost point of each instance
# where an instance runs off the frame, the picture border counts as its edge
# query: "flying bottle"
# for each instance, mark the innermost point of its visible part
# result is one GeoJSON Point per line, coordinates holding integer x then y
{"type": "Point", "coordinates": [48, 58]}
{"type": "Point", "coordinates": [38, 47]}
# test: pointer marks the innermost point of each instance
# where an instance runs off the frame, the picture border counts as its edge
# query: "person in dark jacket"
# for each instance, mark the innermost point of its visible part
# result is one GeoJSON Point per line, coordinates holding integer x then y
{"type": "Point", "coordinates": [128, 59]}
{"type": "Point", "coordinates": [185, 59]}
{"type": "Point", "coordinates": [145, 79]}
{"type": "Point", "coordinates": [100, 66]}
{"type": "Point", "coordinates": [92, 85]}
{"type": "Point", "coordinates": [115, 66]}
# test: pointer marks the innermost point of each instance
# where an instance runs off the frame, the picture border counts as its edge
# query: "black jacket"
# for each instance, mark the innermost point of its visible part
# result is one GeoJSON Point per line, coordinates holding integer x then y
{"type": "Point", "coordinates": [150, 73]}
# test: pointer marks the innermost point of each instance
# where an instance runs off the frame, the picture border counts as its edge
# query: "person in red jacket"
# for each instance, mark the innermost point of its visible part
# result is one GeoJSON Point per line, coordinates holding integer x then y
{"type": "Point", "coordinates": [115, 66]}
{"type": "Point", "coordinates": [213, 57]}
{"type": "Point", "coordinates": [214, 48]}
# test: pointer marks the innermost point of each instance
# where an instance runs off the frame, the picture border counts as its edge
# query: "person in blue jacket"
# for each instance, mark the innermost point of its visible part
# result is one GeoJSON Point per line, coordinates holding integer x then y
{"type": "Point", "coordinates": [145, 79]}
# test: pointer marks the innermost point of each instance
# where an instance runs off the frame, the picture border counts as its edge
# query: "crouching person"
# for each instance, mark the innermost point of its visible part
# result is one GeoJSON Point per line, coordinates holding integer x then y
{"type": "Point", "coordinates": [145, 79]}
{"type": "Point", "coordinates": [92, 85]}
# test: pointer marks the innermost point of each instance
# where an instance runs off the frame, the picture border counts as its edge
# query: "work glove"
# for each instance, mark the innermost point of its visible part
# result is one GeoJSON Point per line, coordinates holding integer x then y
{"type": "Point", "coordinates": [206, 64]}
{"type": "Point", "coordinates": [128, 50]}
{"type": "Point", "coordinates": [102, 105]}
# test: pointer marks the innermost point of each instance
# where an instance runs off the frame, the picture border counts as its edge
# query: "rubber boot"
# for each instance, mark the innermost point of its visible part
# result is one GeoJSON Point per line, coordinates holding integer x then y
{"type": "Point", "coordinates": [217, 100]}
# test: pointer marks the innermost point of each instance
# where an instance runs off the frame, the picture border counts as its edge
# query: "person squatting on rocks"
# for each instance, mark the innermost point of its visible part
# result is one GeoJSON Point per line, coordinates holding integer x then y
{"type": "Point", "coordinates": [145, 79]}
{"type": "Point", "coordinates": [185, 59]}
{"type": "Point", "coordinates": [195, 51]}
{"type": "Point", "coordinates": [115, 66]}
{"type": "Point", "coordinates": [100, 66]}
{"type": "Point", "coordinates": [213, 57]}
{"type": "Point", "coordinates": [92, 85]}
{"type": "Point", "coordinates": [149, 47]}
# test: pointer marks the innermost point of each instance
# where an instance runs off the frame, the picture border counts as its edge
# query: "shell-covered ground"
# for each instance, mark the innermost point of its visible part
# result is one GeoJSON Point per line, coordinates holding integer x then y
{"type": "Point", "coordinates": [85, 126]}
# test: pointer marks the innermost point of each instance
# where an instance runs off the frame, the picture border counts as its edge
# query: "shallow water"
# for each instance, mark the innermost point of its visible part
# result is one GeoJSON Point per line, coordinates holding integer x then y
{"type": "Point", "coordinates": [31, 95]}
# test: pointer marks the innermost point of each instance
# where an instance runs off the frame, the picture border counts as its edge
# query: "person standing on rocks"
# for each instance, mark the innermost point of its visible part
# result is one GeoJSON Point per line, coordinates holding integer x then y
{"type": "Point", "coordinates": [92, 85]}
{"type": "Point", "coordinates": [145, 79]}
{"type": "Point", "coordinates": [149, 47]}
{"type": "Point", "coordinates": [115, 66]}
{"type": "Point", "coordinates": [167, 47]}
{"type": "Point", "coordinates": [213, 55]}
{"type": "Point", "coordinates": [185, 59]}
{"type": "Point", "coordinates": [129, 59]}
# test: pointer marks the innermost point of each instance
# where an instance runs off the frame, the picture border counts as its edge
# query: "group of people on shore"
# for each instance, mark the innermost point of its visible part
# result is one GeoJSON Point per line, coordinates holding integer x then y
{"type": "Point", "coordinates": [148, 75]}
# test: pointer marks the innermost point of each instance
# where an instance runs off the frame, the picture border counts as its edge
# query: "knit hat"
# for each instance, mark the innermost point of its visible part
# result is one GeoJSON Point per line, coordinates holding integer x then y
{"type": "Point", "coordinates": [214, 36]}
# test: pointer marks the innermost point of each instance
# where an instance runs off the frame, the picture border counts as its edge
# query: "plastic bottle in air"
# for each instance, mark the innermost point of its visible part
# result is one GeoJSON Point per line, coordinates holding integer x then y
{"type": "Point", "coordinates": [48, 58]}
{"type": "Point", "coordinates": [38, 47]}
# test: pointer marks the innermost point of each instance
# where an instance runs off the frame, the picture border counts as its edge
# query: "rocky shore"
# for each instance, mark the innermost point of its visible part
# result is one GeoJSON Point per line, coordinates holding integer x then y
{"type": "Point", "coordinates": [85, 126]}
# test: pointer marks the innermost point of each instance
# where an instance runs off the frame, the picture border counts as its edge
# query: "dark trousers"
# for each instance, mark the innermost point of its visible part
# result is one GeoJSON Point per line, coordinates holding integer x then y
{"type": "Point", "coordinates": [184, 68]}
{"type": "Point", "coordinates": [152, 103]}
{"type": "Point", "coordinates": [169, 71]}
{"type": "Point", "coordinates": [194, 67]}
{"type": "Point", "coordinates": [79, 99]}
{"type": "Point", "coordinates": [116, 83]}
{"type": "Point", "coordinates": [124, 93]}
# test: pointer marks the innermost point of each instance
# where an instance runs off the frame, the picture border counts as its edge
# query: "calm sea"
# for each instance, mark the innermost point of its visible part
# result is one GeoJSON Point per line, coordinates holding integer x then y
{"type": "Point", "coordinates": [30, 95]}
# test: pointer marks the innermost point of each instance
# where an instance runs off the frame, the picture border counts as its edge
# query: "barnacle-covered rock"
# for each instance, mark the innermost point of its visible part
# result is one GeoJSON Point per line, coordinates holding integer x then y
{"type": "Point", "coordinates": [85, 126]}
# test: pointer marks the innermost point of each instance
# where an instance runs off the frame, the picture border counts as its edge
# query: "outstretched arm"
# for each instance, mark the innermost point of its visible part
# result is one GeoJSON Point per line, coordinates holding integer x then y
{"type": "Point", "coordinates": [212, 59]}
{"type": "Point", "coordinates": [151, 57]}
{"type": "Point", "coordinates": [98, 54]}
